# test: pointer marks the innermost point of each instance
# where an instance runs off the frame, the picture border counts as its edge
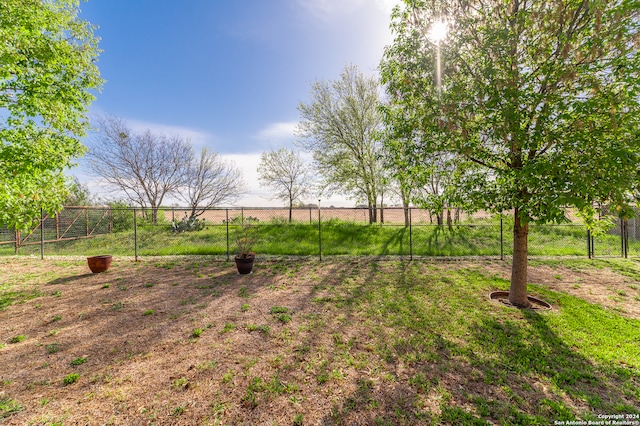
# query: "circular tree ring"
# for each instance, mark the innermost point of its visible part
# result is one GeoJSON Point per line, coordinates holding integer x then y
{"type": "Point", "coordinates": [503, 297]}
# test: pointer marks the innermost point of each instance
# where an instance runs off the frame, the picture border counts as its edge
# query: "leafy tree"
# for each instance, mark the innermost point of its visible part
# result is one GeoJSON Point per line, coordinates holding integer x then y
{"type": "Point", "coordinates": [47, 72]}
{"type": "Point", "coordinates": [209, 182]}
{"type": "Point", "coordinates": [144, 166]}
{"type": "Point", "coordinates": [122, 212]}
{"type": "Point", "coordinates": [338, 125]}
{"type": "Point", "coordinates": [79, 194]}
{"type": "Point", "coordinates": [542, 96]}
{"type": "Point", "coordinates": [285, 172]}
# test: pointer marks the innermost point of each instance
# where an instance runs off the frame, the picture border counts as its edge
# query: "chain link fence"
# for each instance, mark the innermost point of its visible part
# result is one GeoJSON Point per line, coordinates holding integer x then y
{"type": "Point", "coordinates": [307, 231]}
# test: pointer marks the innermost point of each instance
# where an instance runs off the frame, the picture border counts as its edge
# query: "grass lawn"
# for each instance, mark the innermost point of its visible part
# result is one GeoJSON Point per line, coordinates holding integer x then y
{"type": "Point", "coordinates": [340, 237]}
{"type": "Point", "coordinates": [188, 341]}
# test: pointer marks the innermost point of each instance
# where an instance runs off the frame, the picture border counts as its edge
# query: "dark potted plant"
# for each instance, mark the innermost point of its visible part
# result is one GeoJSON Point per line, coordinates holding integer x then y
{"type": "Point", "coordinates": [246, 238]}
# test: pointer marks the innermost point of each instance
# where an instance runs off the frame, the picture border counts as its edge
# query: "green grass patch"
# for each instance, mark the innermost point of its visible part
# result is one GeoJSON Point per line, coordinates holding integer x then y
{"type": "Point", "coordinates": [9, 296]}
{"type": "Point", "coordinates": [437, 316]}
{"type": "Point", "coordinates": [17, 339]}
{"type": "Point", "coordinates": [341, 237]}
{"type": "Point", "coordinates": [8, 407]}
{"type": "Point", "coordinates": [52, 348]}
{"type": "Point", "coordinates": [78, 361]}
{"type": "Point", "coordinates": [264, 329]}
{"type": "Point", "coordinates": [70, 379]}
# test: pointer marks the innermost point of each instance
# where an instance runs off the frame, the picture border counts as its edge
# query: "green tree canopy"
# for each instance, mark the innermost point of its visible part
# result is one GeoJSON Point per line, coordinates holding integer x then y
{"type": "Point", "coordinates": [47, 74]}
{"type": "Point", "coordinates": [541, 95]}
{"type": "Point", "coordinates": [339, 125]}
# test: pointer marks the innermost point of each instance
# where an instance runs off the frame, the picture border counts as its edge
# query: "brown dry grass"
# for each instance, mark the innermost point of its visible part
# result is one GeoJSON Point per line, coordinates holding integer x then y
{"type": "Point", "coordinates": [135, 326]}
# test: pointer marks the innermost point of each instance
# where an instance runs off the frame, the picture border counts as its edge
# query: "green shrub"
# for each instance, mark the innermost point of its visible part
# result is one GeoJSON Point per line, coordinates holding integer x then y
{"type": "Point", "coordinates": [187, 224]}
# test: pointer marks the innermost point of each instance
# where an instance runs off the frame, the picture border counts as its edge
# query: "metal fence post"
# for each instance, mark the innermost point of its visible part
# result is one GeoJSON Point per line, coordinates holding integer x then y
{"type": "Point", "coordinates": [227, 222]}
{"type": "Point", "coordinates": [501, 239]}
{"type": "Point", "coordinates": [624, 236]}
{"type": "Point", "coordinates": [41, 234]}
{"type": "Point", "coordinates": [319, 231]}
{"type": "Point", "coordinates": [621, 237]}
{"type": "Point", "coordinates": [410, 234]}
{"type": "Point", "coordinates": [135, 234]}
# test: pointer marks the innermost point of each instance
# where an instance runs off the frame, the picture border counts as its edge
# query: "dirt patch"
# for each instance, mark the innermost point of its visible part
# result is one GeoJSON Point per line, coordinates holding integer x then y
{"type": "Point", "coordinates": [189, 341]}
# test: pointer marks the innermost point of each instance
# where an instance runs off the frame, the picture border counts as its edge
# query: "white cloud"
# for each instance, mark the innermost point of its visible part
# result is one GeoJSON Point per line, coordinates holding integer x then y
{"type": "Point", "coordinates": [329, 9]}
{"type": "Point", "coordinates": [258, 196]}
{"type": "Point", "coordinates": [248, 165]}
{"type": "Point", "coordinates": [277, 133]}
{"type": "Point", "coordinates": [387, 5]}
{"type": "Point", "coordinates": [197, 137]}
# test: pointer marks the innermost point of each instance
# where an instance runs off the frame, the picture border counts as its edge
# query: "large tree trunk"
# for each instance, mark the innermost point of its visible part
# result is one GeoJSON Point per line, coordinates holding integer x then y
{"type": "Point", "coordinates": [373, 213]}
{"type": "Point", "coordinates": [518, 288]}
{"type": "Point", "coordinates": [406, 215]}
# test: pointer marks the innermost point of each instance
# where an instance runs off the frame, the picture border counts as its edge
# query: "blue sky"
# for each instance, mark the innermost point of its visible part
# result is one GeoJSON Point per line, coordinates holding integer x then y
{"type": "Point", "coordinates": [229, 74]}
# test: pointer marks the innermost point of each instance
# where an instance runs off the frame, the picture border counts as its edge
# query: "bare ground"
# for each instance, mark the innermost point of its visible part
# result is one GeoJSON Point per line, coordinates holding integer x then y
{"type": "Point", "coordinates": [134, 325]}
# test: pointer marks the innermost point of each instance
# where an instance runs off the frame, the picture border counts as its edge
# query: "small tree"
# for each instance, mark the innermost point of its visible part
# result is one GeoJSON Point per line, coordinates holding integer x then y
{"type": "Point", "coordinates": [209, 182]}
{"type": "Point", "coordinates": [285, 172]}
{"type": "Point", "coordinates": [339, 126]}
{"type": "Point", "coordinates": [144, 166]}
{"type": "Point", "coordinates": [48, 74]}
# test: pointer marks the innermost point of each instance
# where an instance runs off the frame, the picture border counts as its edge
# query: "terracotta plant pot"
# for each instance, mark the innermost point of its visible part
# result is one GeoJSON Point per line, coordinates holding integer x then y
{"type": "Point", "coordinates": [245, 264]}
{"type": "Point", "coordinates": [99, 263]}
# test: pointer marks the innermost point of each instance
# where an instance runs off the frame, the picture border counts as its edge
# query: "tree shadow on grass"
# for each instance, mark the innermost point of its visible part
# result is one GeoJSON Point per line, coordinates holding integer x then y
{"type": "Point", "coordinates": [508, 367]}
{"type": "Point", "coordinates": [368, 342]}
{"type": "Point", "coordinates": [69, 279]}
